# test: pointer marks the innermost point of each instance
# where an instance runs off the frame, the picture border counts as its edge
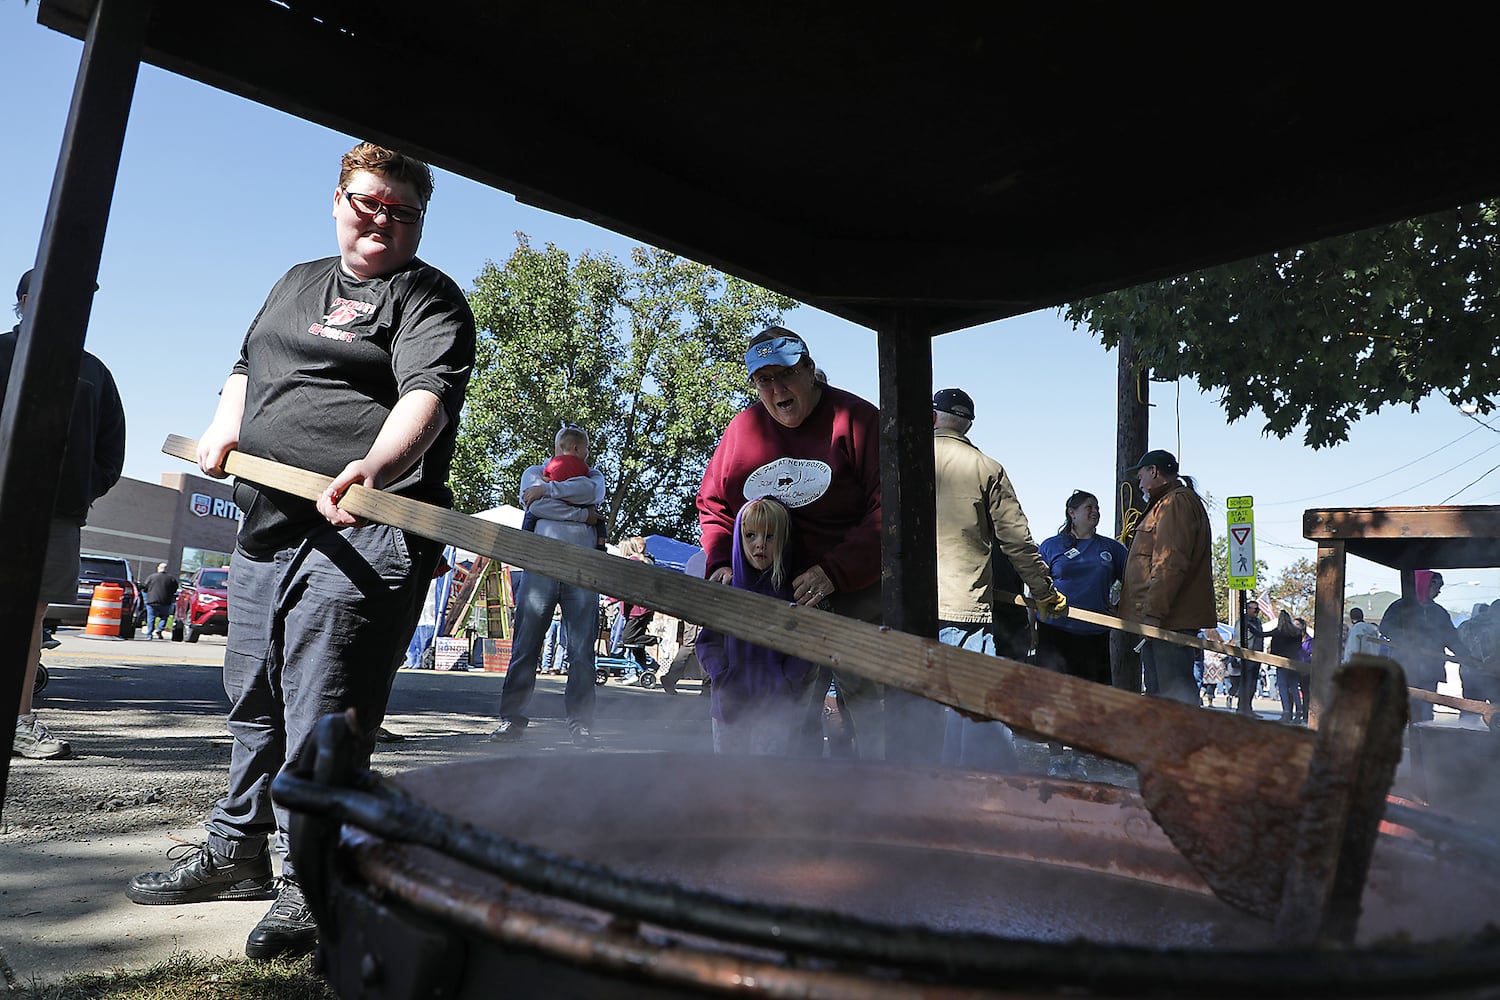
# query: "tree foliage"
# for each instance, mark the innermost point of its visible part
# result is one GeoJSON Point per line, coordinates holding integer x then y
{"type": "Point", "coordinates": [1296, 588]}
{"type": "Point", "coordinates": [648, 357]}
{"type": "Point", "coordinates": [1321, 335]}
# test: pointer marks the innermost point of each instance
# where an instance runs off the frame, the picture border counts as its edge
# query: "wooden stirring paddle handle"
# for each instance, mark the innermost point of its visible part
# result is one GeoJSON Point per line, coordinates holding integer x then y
{"type": "Point", "coordinates": [1226, 789]}
{"type": "Point", "coordinates": [1483, 709]}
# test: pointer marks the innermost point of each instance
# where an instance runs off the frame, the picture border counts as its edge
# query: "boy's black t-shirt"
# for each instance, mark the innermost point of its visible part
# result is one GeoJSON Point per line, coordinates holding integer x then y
{"type": "Point", "coordinates": [326, 359]}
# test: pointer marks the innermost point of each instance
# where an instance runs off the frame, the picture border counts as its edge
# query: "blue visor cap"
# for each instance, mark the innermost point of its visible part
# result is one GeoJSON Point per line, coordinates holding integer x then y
{"type": "Point", "coordinates": [776, 351]}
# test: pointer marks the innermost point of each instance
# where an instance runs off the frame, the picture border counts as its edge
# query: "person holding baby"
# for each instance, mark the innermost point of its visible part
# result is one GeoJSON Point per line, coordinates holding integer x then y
{"type": "Point", "coordinates": [566, 509]}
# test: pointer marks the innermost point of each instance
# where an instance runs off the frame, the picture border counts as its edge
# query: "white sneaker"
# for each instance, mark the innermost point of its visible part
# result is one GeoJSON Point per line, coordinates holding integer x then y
{"type": "Point", "coordinates": [34, 740]}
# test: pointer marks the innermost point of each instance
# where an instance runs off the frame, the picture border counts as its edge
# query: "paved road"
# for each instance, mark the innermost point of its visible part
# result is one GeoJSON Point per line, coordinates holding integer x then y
{"type": "Point", "coordinates": [146, 720]}
{"type": "Point", "coordinates": [185, 678]}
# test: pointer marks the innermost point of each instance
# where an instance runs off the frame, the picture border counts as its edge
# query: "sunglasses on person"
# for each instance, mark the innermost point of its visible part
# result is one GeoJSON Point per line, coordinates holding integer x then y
{"type": "Point", "coordinates": [370, 206]}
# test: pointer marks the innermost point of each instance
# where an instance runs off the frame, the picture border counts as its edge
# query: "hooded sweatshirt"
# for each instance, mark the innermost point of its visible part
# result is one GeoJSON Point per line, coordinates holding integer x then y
{"type": "Point", "coordinates": [1419, 630]}
{"type": "Point", "coordinates": [94, 454]}
{"type": "Point", "coordinates": [743, 673]}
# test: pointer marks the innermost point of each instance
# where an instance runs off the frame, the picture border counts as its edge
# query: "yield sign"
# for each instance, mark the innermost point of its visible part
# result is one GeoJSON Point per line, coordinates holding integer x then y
{"type": "Point", "coordinates": [1241, 547]}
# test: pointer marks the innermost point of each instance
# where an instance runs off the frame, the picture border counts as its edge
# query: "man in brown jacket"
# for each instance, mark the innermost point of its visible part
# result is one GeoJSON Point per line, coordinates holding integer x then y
{"type": "Point", "coordinates": [1169, 578]}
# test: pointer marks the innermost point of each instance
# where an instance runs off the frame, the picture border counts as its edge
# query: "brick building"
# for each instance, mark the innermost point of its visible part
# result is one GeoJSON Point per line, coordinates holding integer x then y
{"type": "Point", "coordinates": [185, 521]}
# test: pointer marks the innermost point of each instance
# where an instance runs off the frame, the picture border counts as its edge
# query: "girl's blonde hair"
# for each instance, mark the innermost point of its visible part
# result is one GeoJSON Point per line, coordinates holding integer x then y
{"type": "Point", "coordinates": [769, 518]}
{"type": "Point", "coordinates": [632, 546]}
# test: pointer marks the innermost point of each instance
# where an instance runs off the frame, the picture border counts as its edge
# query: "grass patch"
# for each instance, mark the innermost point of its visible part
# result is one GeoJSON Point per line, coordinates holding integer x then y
{"type": "Point", "coordinates": [195, 977]}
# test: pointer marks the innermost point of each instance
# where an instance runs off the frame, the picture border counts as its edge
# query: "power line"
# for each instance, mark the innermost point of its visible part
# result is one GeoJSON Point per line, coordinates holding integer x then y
{"type": "Point", "coordinates": [1440, 475]}
{"type": "Point", "coordinates": [1263, 540]}
{"type": "Point", "coordinates": [1476, 419]}
{"type": "Point", "coordinates": [1452, 495]}
{"type": "Point", "coordinates": [1419, 458]}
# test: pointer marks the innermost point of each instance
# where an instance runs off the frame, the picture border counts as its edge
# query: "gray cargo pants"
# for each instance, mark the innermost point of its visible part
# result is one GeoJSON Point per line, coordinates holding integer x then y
{"type": "Point", "coordinates": [314, 629]}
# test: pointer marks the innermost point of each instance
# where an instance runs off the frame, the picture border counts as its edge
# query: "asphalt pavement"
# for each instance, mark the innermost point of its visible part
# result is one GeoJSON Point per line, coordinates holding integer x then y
{"type": "Point", "coordinates": [140, 713]}
{"type": "Point", "coordinates": [151, 713]}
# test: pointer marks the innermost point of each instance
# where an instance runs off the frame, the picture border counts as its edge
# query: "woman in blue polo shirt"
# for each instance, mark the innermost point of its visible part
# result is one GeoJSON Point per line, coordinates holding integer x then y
{"type": "Point", "coordinates": [1085, 567]}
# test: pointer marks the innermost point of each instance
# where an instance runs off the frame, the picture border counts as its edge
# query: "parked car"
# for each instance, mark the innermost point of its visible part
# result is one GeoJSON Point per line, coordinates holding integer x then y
{"type": "Point", "coordinates": [202, 606]}
{"type": "Point", "coordinates": [92, 571]}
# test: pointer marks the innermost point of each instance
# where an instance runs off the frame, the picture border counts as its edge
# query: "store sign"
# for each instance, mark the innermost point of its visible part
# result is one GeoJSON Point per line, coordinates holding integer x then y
{"type": "Point", "coordinates": [204, 505]}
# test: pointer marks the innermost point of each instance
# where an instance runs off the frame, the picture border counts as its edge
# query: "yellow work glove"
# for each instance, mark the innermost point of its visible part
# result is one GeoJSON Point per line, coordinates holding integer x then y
{"type": "Point", "coordinates": [1052, 605]}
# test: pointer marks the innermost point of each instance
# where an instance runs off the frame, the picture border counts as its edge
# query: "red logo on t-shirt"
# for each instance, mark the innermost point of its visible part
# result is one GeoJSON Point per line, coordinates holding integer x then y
{"type": "Point", "coordinates": [344, 311]}
{"type": "Point", "coordinates": [341, 314]}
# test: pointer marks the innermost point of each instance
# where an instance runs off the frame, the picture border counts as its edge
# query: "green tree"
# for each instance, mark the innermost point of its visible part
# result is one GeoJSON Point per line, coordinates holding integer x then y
{"type": "Point", "coordinates": [648, 357]}
{"type": "Point", "coordinates": [1321, 335]}
{"type": "Point", "coordinates": [1295, 589]}
{"type": "Point", "coordinates": [1221, 575]}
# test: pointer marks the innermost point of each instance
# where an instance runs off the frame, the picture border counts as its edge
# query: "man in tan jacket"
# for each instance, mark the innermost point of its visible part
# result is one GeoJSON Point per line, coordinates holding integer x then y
{"type": "Point", "coordinates": [984, 544]}
{"type": "Point", "coordinates": [1169, 578]}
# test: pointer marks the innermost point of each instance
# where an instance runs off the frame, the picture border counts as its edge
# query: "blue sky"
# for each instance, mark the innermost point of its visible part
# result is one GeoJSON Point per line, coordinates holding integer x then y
{"type": "Point", "coordinates": [184, 272]}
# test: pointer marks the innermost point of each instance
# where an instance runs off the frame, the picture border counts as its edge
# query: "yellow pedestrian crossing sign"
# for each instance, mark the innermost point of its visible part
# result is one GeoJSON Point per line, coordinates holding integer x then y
{"type": "Point", "coordinates": [1241, 518]}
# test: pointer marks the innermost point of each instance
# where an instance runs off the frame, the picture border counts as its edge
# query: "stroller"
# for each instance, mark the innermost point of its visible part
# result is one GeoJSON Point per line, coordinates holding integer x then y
{"type": "Point", "coordinates": [620, 661]}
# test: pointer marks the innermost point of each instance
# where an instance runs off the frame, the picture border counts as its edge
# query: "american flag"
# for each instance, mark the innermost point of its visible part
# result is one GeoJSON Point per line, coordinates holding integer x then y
{"type": "Point", "coordinates": [1267, 609]}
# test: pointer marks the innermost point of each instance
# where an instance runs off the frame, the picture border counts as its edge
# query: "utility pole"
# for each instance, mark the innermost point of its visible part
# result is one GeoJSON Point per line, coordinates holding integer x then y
{"type": "Point", "coordinates": [1132, 432]}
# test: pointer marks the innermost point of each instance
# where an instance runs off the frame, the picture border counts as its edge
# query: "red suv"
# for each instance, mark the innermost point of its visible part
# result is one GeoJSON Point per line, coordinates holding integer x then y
{"type": "Point", "coordinates": [202, 606]}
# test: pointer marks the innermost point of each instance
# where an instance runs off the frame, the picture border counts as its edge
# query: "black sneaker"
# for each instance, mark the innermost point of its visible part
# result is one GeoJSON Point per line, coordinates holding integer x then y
{"type": "Point", "coordinates": [507, 732]}
{"type": "Point", "coordinates": [201, 875]}
{"type": "Point", "coordinates": [287, 929]}
{"type": "Point", "coordinates": [583, 737]}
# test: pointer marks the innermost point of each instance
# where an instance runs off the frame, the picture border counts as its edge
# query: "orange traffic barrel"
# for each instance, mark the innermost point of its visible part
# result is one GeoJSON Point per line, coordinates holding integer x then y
{"type": "Point", "coordinates": [104, 611]}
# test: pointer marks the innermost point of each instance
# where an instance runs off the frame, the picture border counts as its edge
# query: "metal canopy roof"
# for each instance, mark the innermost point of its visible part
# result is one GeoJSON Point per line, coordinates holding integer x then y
{"type": "Point", "coordinates": [955, 163]}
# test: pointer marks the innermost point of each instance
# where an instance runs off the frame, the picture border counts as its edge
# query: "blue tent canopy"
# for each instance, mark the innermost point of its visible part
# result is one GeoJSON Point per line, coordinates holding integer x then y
{"type": "Point", "coordinates": [669, 552]}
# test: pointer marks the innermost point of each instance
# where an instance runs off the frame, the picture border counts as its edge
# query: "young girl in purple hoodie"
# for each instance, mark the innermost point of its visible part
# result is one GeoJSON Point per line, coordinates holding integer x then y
{"type": "Point", "coordinates": [757, 693]}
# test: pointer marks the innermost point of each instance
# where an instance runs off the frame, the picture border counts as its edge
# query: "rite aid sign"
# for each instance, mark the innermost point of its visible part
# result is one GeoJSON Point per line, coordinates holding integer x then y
{"type": "Point", "coordinates": [206, 506]}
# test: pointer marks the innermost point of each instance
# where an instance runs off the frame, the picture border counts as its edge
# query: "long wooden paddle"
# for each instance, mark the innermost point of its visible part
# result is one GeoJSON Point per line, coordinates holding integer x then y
{"type": "Point", "coordinates": [1481, 708]}
{"type": "Point", "coordinates": [1152, 632]}
{"type": "Point", "coordinates": [1233, 794]}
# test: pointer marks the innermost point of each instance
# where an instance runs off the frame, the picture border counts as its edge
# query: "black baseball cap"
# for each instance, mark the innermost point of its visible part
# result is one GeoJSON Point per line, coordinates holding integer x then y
{"type": "Point", "coordinates": [1163, 460]}
{"type": "Point", "coordinates": [954, 401]}
{"type": "Point", "coordinates": [23, 287]}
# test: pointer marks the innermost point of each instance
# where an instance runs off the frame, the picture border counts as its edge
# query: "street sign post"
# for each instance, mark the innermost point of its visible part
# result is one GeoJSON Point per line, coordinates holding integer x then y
{"type": "Point", "coordinates": [1241, 516]}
